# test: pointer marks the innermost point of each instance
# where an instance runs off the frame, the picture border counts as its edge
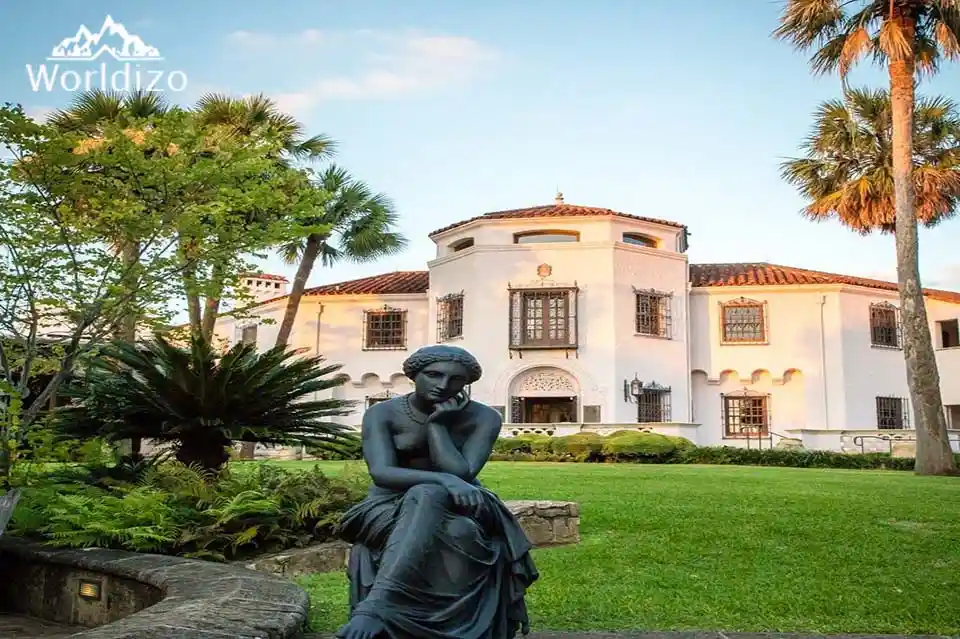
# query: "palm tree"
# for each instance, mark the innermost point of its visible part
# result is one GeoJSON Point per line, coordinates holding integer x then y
{"type": "Point", "coordinates": [362, 224]}
{"type": "Point", "coordinates": [908, 36]}
{"type": "Point", "coordinates": [249, 116]}
{"type": "Point", "coordinates": [202, 401]}
{"type": "Point", "coordinates": [848, 175]}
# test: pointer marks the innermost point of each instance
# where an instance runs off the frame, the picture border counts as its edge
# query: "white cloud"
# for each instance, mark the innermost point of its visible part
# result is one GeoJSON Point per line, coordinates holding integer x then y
{"type": "Point", "coordinates": [946, 278]}
{"type": "Point", "coordinates": [38, 112]}
{"type": "Point", "coordinates": [391, 65]}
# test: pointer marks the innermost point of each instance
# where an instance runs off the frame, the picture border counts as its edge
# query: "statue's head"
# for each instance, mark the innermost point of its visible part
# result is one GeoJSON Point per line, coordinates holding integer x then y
{"type": "Point", "coordinates": [439, 372]}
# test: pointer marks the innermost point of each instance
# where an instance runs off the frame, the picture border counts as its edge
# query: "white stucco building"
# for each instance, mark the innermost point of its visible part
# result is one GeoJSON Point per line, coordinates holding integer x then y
{"type": "Point", "coordinates": [589, 319]}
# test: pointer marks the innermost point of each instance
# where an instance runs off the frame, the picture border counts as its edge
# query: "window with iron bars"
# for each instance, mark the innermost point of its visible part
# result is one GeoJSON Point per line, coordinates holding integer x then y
{"type": "Point", "coordinates": [746, 415]}
{"type": "Point", "coordinates": [653, 405]}
{"type": "Point", "coordinates": [384, 329]}
{"type": "Point", "coordinates": [893, 413]}
{"type": "Point", "coordinates": [885, 328]}
{"type": "Point", "coordinates": [653, 315]}
{"type": "Point", "coordinates": [450, 317]}
{"type": "Point", "coordinates": [743, 322]}
{"type": "Point", "coordinates": [543, 318]}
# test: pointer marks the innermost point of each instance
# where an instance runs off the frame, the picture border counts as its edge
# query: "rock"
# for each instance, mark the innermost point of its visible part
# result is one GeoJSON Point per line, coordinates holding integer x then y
{"type": "Point", "coordinates": [548, 523]}
{"type": "Point", "coordinates": [326, 557]}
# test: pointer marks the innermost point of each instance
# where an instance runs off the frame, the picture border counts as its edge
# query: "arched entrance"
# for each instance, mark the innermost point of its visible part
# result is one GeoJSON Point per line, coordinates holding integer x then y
{"type": "Point", "coordinates": [544, 395]}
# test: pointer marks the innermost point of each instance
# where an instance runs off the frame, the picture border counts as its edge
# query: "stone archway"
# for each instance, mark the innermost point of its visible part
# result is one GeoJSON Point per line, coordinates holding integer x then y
{"type": "Point", "coordinates": [544, 395]}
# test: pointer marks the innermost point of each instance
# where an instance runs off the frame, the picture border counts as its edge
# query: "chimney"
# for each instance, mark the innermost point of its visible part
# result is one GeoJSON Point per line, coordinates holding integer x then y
{"type": "Point", "coordinates": [263, 286]}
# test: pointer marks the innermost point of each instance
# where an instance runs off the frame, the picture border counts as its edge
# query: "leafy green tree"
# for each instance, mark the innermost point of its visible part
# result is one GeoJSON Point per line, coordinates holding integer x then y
{"type": "Point", "coordinates": [86, 115]}
{"type": "Point", "coordinates": [202, 402]}
{"type": "Point", "coordinates": [253, 117]}
{"type": "Point", "coordinates": [909, 37]}
{"type": "Point", "coordinates": [361, 227]}
{"type": "Point", "coordinates": [64, 192]}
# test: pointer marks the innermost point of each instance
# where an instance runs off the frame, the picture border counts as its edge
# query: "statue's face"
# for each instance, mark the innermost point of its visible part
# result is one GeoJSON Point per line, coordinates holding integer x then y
{"type": "Point", "coordinates": [440, 381]}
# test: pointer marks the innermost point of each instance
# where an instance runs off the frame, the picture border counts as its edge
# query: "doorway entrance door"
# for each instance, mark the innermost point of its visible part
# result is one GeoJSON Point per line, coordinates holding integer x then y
{"type": "Point", "coordinates": [546, 410]}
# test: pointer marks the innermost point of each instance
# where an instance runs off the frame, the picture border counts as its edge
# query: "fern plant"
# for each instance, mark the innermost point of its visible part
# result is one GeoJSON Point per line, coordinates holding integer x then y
{"type": "Point", "coordinates": [203, 401]}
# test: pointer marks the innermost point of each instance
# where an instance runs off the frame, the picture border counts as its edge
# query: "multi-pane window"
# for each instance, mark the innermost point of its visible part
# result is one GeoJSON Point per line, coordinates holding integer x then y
{"type": "Point", "coordinates": [653, 313]}
{"type": "Point", "coordinates": [450, 317]}
{"type": "Point", "coordinates": [385, 329]}
{"type": "Point", "coordinates": [653, 405]}
{"type": "Point", "coordinates": [746, 415]}
{"type": "Point", "coordinates": [743, 321]}
{"type": "Point", "coordinates": [543, 318]}
{"type": "Point", "coordinates": [884, 325]}
{"type": "Point", "coordinates": [892, 413]}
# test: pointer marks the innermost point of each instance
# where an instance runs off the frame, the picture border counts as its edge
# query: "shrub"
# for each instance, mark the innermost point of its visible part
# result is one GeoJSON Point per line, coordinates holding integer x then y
{"type": "Point", "coordinates": [179, 510]}
{"type": "Point", "coordinates": [202, 401]}
{"type": "Point", "coordinates": [630, 446]}
{"type": "Point", "coordinates": [581, 447]}
{"type": "Point", "coordinates": [634, 445]}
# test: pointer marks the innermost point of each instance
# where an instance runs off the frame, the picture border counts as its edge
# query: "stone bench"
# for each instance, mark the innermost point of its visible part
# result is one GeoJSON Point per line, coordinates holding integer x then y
{"type": "Point", "coordinates": [546, 523]}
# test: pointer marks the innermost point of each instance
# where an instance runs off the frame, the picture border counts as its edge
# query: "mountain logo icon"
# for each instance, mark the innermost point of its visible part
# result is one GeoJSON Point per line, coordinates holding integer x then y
{"type": "Point", "coordinates": [113, 38]}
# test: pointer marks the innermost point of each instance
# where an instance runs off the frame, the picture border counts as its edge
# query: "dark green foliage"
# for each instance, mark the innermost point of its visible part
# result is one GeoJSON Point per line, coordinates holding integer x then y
{"type": "Point", "coordinates": [348, 448]}
{"type": "Point", "coordinates": [203, 401]}
{"type": "Point", "coordinates": [641, 447]}
{"type": "Point", "coordinates": [177, 510]}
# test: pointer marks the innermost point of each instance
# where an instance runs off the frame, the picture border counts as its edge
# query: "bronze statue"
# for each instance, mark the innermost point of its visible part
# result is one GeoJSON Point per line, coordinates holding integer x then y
{"type": "Point", "coordinates": [435, 554]}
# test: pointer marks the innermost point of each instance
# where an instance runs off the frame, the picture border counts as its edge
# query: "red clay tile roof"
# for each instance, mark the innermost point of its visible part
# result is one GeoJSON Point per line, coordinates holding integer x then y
{"type": "Point", "coordinates": [763, 273]}
{"type": "Point", "coordinates": [265, 276]}
{"type": "Point", "coordinates": [701, 275]}
{"type": "Point", "coordinates": [555, 210]}
{"type": "Point", "coordinates": [396, 283]}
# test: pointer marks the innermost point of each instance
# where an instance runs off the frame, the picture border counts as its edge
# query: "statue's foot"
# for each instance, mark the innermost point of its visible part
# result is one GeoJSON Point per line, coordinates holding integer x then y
{"type": "Point", "coordinates": [362, 627]}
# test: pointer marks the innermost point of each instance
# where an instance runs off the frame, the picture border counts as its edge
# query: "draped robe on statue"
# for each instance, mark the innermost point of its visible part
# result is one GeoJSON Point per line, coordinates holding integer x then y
{"type": "Point", "coordinates": [464, 579]}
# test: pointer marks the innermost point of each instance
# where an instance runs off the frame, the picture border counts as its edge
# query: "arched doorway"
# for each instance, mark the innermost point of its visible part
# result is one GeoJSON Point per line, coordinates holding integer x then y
{"type": "Point", "coordinates": [544, 395]}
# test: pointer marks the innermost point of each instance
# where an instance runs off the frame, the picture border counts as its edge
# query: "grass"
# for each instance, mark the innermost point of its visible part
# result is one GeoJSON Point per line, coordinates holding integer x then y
{"type": "Point", "coordinates": [733, 548]}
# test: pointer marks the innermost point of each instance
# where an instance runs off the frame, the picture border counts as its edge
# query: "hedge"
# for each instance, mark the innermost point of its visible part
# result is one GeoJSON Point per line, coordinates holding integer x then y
{"type": "Point", "coordinates": [652, 448]}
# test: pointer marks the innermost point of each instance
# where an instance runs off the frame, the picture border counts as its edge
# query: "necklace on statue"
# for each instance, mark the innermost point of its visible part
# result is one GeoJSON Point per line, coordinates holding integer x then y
{"type": "Point", "coordinates": [408, 408]}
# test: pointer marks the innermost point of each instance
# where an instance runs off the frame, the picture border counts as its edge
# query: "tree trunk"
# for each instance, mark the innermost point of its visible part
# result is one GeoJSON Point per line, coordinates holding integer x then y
{"type": "Point", "coordinates": [128, 329]}
{"type": "Point", "coordinates": [934, 456]}
{"type": "Point", "coordinates": [210, 452]}
{"type": "Point", "coordinates": [211, 306]}
{"type": "Point", "coordinates": [189, 274]}
{"type": "Point", "coordinates": [310, 253]}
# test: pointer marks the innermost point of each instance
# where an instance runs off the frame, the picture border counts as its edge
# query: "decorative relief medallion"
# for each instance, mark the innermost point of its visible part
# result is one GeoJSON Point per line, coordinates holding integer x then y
{"type": "Point", "coordinates": [546, 381]}
{"type": "Point", "coordinates": [544, 271]}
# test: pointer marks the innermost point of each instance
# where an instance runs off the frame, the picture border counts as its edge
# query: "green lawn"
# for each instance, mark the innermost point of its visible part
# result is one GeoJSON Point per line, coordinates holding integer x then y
{"type": "Point", "coordinates": [733, 548]}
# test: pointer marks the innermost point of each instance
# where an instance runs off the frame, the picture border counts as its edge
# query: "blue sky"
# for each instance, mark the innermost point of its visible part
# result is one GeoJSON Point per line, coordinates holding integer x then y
{"type": "Point", "coordinates": [680, 111]}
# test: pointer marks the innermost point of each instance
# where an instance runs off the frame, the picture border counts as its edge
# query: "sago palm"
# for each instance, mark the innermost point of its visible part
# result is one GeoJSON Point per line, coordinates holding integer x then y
{"type": "Point", "coordinates": [847, 174]}
{"type": "Point", "coordinates": [203, 401]}
{"type": "Point", "coordinates": [363, 227]}
{"type": "Point", "coordinates": [909, 37]}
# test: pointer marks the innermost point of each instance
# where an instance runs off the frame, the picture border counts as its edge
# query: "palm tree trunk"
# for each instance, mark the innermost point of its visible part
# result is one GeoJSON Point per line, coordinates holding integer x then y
{"type": "Point", "coordinates": [310, 253]}
{"type": "Point", "coordinates": [934, 456]}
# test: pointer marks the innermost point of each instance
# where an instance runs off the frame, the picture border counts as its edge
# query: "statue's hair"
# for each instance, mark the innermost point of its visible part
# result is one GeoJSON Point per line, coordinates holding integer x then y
{"type": "Point", "coordinates": [427, 355]}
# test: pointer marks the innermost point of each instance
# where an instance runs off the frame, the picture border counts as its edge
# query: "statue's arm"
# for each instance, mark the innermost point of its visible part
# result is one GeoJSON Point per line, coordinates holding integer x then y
{"type": "Point", "coordinates": [381, 456]}
{"type": "Point", "coordinates": [468, 462]}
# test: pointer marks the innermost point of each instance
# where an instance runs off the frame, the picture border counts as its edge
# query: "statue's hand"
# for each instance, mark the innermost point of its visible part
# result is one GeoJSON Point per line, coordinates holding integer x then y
{"type": "Point", "coordinates": [448, 406]}
{"type": "Point", "coordinates": [465, 495]}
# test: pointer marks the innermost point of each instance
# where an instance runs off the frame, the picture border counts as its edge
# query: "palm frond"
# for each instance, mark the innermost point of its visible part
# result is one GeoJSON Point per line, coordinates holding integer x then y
{"type": "Point", "coordinates": [847, 171]}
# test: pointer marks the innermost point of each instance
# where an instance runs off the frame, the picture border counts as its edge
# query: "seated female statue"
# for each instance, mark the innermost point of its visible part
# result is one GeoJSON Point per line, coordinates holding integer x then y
{"type": "Point", "coordinates": [435, 554]}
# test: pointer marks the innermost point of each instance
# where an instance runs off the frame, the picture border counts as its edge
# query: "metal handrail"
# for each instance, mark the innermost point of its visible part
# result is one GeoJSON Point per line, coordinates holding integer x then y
{"type": "Point", "coordinates": [890, 439]}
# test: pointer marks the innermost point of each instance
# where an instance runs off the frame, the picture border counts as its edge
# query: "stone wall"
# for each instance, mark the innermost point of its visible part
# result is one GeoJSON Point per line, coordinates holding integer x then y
{"type": "Point", "coordinates": [546, 523]}
{"type": "Point", "coordinates": [142, 595]}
